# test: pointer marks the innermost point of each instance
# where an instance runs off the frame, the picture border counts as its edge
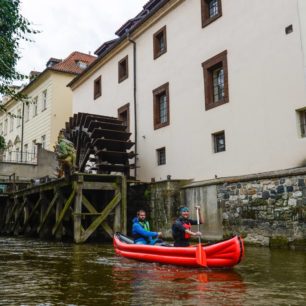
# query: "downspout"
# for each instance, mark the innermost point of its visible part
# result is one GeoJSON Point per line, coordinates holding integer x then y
{"type": "Point", "coordinates": [135, 98]}
{"type": "Point", "coordinates": [22, 129]}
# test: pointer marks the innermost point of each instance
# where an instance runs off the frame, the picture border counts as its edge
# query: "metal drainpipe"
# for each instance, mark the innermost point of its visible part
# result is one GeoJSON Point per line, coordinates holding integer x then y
{"type": "Point", "coordinates": [135, 100]}
{"type": "Point", "coordinates": [22, 128]}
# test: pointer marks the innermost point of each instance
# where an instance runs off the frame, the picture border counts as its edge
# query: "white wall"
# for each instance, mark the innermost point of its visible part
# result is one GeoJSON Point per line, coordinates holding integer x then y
{"type": "Point", "coordinates": [266, 86]}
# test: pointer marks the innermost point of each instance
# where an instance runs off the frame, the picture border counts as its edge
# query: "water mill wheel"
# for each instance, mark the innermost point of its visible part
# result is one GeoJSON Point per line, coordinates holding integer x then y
{"type": "Point", "coordinates": [102, 144]}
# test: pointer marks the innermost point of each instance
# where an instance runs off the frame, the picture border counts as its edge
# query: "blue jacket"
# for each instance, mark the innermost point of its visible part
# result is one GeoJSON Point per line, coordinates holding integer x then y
{"type": "Point", "coordinates": [138, 230]}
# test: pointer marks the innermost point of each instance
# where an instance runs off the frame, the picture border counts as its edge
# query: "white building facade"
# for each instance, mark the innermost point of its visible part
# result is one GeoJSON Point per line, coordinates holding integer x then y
{"type": "Point", "coordinates": [220, 87]}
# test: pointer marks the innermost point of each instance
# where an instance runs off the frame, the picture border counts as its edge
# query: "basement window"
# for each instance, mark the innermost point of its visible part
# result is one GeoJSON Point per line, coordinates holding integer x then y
{"type": "Point", "coordinates": [161, 156]}
{"type": "Point", "coordinates": [97, 87]}
{"type": "Point", "coordinates": [123, 70]}
{"type": "Point", "coordinates": [302, 122]}
{"type": "Point", "coordinates": [219, 142]}
{"type": "Point", "coordinates": [211, 10]}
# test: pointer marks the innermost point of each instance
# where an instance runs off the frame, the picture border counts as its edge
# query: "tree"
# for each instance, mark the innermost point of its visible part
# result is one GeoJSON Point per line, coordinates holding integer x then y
{"type": "Point", "coordinates": [13, 29]}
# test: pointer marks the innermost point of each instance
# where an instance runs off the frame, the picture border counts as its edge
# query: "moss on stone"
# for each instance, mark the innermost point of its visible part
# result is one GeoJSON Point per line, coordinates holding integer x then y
{"type": "Point", "coordinates": [258, 202]}
{"type": "Point", "coordinates": [279, 242]}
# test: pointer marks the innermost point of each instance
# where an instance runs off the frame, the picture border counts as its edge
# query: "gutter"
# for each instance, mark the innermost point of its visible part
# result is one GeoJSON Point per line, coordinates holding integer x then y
{"type": "Point", "coordinates": [135, 99]}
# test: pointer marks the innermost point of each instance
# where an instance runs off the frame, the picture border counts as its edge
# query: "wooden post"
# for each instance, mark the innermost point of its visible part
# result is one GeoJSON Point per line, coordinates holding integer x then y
{"type": "Point", "coordinates": [123, 205]}
{"type": "Point", "coordinates": [43, 210]}
{"type": "Point", "coordinates": [77, 226]}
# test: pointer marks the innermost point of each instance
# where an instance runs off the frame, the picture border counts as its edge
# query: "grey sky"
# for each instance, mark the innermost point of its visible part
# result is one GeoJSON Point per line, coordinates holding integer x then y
{"type": "Point", "coordinates": [71, 25]}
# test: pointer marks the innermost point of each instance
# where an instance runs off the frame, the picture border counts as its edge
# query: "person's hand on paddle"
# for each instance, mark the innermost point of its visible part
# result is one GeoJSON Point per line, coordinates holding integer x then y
{"type": "Point", "coordinates": [159, 234]}
{"type": "Point", "coordinates": [197, 207]}
{"type": "Point", "coordinates": [199, 234]}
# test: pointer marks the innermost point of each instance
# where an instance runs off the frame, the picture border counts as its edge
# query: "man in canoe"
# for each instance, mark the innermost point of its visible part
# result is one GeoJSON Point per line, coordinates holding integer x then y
{"type": "Point", "coordinates": [181, 229]}
{"type": "Point", "coordinates": [141, 230]}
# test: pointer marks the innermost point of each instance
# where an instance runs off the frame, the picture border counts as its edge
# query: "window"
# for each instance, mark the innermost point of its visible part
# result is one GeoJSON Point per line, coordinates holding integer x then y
{"type": "Point", "coordinates": [289, 29]}
{"type": "Point", "coordinates": [5, 126]}
{"type": "Point", "coordinates": [160, 42]}
{"type": "Point", "coordinates": [97, 88]}
{"type": "Point", "coordinates": [26, 112]}
{"type": "Point", "coordinates": [1, 128]}
{"type": "Point", "coordinates": [302, 119]}
{"type": "Point", "coordinates": [216, 80]}
{"type": "Point", "coordinates": [19, 117]}
{"type": "Point", "coordinates": [161, 156]}
{"type": "Point", "coordinates": [11, 124]}
{"type": "Point", "coordinates": [26, 148]}
{"type": "Point", "coordinates": [34, 148]}
{"type": "Point", "coordinates": [219, 141]}
{"type": "Point", "coordinates": [43, 141]}
{"type": "Point", "coordinates": [211, 10]}
{"type": "Point", "coordinates": [124, 115]}
{"type": "Point", "coordinates": [44, 100]}
{"type": "Point", "coordinates": [35, 106]}
{"type": "Point", "coordinates": [123, 69]}
{"type": "Point", "coordinates": [161, 114]}
{"type": "Point", "coordinates": [81, 64]}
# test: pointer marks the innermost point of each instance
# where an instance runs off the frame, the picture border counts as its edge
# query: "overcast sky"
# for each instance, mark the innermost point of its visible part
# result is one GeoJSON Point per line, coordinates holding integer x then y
{"type": "Point", "coordinates": [71, 25]}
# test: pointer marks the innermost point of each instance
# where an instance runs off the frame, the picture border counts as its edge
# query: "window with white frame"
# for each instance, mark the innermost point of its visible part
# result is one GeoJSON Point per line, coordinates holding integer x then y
{"type": "Point", "coordinates": [19, 117]}
{"type": "Point", "coordinates": [11, 124]}
{"type": "Point", "coordinates": [43, 141]}
{"type": "Point", "coordinates": [44, 100]}
{"type": "Point", "coordinates": [34, 147]}
{"type": "Point", "coordinates": [35, 106]}
{"type": "Point", "coordinates": [5, 126]}
{"type": "Point", "coordinates": [27, 112]}
{"type": "Point", "coordinates": [25, 152]}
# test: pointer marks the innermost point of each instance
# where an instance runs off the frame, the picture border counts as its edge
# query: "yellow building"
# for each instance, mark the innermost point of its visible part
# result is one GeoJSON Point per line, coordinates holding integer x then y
{"type": "Point", "coordinates": [51, 106]}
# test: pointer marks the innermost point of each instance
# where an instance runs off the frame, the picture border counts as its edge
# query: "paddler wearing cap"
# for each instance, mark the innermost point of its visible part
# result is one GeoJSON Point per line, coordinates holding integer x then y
{"type": "Point", "coordinates": [181, 228]}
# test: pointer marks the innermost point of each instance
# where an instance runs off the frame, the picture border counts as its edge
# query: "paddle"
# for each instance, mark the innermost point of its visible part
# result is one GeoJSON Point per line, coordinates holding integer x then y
{"type": "Point", "coordinates": [200, 253]}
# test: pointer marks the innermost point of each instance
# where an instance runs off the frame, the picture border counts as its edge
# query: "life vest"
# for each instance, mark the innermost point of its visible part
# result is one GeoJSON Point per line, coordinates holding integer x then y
{"type": "Point", "coordinates": [187, 226]}
{"type": "Point", "coordinates": [146, 226]}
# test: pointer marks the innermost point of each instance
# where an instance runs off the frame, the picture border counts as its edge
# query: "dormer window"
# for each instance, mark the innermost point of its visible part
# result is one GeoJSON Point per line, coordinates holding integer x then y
{"type": "Point", "coordinates": [81, 64]}
{"type": "Point", "coordinates": [160, 42]}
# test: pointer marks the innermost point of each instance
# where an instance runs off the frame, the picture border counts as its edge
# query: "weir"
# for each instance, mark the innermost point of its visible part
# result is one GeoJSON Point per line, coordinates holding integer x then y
{"type": "Point", "coordinates": [81, 207]}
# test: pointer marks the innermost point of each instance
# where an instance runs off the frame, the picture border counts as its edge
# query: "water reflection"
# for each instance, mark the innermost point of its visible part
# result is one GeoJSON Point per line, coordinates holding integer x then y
{"type": "Point", "coordinates": [178, 285]}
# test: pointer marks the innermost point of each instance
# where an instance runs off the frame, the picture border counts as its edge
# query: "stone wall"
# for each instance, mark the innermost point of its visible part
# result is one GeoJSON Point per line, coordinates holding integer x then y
{"type": "Point", "coordinates": [46, 166]}
{"type": "Point", "coordinates": [267, 209]}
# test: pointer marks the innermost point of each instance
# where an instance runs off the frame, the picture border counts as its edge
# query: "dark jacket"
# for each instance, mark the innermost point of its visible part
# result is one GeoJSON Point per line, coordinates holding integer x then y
{"type": "Point", "coordinates": [178, 231]}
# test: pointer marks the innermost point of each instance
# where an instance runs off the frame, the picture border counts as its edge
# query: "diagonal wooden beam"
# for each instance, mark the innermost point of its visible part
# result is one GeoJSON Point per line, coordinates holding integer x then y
{"type": "Point", "coordinates": [108, 229]}
{"type": "Point", "coordinates": [32, 212]}
{"type": "Point", "coordinates": [104, 214]}
{"type": "Point", "coordinates": [49, 209]}
{"type": "Point", "coordinates": [11, 214]}
{"type": "Point", "coordinates": [88, 205]}
{"type": "Point", "coordinates": [19, 213]}
{"type": "Point", "coordinates": [63, 212]}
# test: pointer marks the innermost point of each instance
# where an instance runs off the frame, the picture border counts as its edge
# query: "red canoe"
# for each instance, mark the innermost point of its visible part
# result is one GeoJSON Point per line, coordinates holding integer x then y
{"type": "Point", "coordinates": [223, 254]}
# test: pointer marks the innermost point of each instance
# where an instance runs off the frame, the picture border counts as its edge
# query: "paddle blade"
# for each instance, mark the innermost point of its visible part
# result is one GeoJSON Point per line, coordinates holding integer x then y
{"type": "Point", "coordinates": [201, 256]}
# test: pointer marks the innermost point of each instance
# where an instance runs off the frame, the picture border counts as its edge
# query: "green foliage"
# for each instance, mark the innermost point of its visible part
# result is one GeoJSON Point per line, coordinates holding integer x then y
{"type": "Point", "coordinates": [2, 143]}
{"type": "Point", "coordinates": [14, 28]}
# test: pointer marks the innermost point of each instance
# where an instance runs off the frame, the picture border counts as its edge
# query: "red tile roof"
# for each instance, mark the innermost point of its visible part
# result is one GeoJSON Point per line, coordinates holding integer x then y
{"type": "Point", "coordinates": [70, 64]}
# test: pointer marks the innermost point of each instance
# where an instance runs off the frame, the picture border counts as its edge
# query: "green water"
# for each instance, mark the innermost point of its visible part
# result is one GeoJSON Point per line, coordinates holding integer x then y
{"type": "Point", "coordinates": [33, 272]}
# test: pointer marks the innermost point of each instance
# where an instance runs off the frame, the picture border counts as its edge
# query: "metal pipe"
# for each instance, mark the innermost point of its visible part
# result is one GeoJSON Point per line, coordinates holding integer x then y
{"type": "Point", "coordinates": [22, 132]}
{"type": "Point", "coordinates": [135, 97]}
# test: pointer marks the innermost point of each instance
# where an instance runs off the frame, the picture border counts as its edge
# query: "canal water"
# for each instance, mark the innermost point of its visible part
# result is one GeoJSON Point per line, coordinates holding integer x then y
{"type": "Point", "coordinates": [33, 272]}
